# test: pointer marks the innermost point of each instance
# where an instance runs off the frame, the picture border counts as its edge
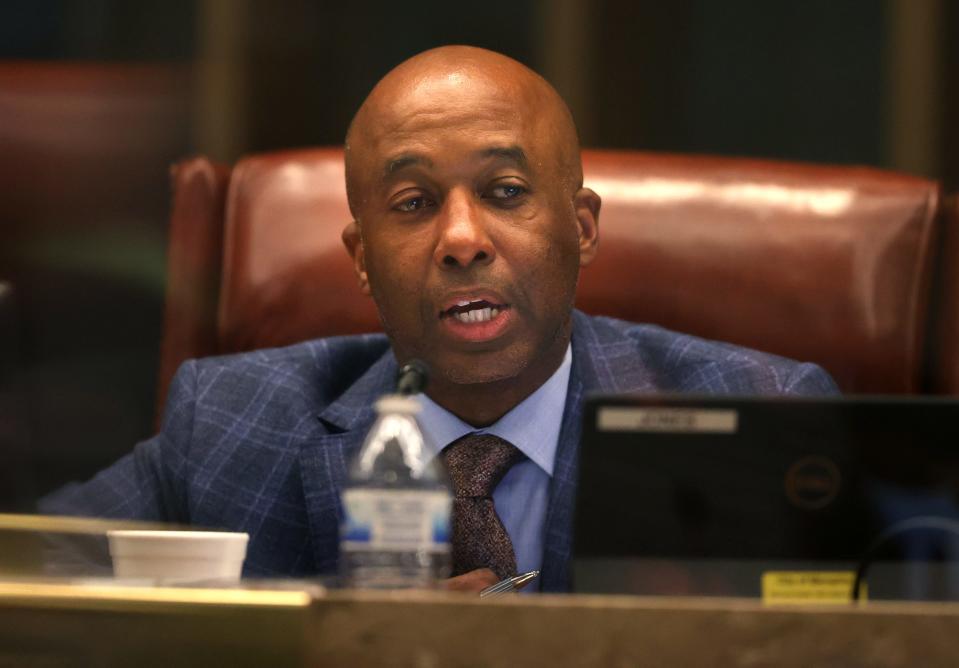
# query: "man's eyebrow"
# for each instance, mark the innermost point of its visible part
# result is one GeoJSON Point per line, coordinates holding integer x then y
{"type": "Point", "coordinates": [512, 153]}
{"type": "Point", "coordinates": [403, 161]}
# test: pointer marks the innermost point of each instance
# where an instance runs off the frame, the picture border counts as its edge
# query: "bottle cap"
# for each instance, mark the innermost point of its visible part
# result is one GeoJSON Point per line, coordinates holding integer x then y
{"type": "Point", "coordinates": [395, 403]}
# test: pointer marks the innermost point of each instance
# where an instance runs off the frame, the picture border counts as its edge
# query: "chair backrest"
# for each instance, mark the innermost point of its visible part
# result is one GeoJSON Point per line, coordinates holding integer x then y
{"type": "Point", "coordinates": [827, 264]}
{"type": "Point", "coordinates": [286, 274]}
{"type": "Point", "coordinates": [194, 266]}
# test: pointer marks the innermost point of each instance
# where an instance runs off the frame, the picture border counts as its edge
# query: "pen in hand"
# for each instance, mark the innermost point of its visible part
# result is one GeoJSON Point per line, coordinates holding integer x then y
{"type": "Point", "coordinates": [509, 584]}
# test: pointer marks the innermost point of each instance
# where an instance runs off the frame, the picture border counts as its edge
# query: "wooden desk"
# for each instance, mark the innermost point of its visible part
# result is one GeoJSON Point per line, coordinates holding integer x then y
{"type": "Point", "coordinates": [53, 625]}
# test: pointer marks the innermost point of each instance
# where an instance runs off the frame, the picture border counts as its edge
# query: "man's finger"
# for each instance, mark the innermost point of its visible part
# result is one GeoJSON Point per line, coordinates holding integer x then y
{"type": "Point", "coordinates": [474, 581]}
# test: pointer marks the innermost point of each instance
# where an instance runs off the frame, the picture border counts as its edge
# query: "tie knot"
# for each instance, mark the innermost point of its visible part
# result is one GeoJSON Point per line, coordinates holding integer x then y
{"type": "Point", "coordinates": [477, 462]}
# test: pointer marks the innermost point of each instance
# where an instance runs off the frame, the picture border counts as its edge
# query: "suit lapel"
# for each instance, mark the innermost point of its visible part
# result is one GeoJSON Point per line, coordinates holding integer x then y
{"type": "Point", "coordinates": [557, 542]}
{"type": "Point", "coordinates": [324, 458]}
{"type": "Point", "coordinates": [592, 373]}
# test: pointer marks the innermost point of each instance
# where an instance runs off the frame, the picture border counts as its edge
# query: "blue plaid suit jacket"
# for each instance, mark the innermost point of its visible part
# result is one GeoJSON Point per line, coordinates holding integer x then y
{"type": "Point", "coordinates": [260, 442]}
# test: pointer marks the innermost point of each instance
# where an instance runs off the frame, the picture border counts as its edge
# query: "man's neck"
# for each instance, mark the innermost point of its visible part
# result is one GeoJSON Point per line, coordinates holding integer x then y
{"type": "Point", "coordinates": [482, 404]}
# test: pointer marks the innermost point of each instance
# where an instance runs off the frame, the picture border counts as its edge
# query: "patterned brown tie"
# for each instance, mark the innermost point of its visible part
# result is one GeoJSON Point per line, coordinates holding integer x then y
{"type": "Point", "coordinates": [476, 463]}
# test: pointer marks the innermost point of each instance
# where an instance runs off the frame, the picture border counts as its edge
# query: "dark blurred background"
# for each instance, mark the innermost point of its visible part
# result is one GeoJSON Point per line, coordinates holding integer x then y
{"type": "Point", "coordinates": [99, 97]}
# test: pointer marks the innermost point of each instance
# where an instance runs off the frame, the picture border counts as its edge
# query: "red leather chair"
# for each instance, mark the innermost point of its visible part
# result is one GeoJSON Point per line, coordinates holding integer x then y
{"type": "Point", "coordinates": [828, 264]}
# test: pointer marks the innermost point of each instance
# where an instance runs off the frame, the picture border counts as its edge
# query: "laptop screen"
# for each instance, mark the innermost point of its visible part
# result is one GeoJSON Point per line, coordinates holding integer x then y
{"type": "Point", "coordinates": [707, 495]}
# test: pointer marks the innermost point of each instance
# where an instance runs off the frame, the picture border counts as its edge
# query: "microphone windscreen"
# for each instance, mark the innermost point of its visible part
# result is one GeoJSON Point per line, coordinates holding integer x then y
{"type": "Point", "coordinates": [412, 377]}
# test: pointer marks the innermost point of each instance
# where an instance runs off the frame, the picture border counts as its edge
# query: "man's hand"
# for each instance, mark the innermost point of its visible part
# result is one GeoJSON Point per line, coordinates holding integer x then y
{"type": "Point", "coordinates": [474, 581]}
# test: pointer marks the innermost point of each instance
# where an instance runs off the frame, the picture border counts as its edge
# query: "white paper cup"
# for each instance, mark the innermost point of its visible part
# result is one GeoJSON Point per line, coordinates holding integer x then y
{"type": "Point", "coordinates": [178, 555]}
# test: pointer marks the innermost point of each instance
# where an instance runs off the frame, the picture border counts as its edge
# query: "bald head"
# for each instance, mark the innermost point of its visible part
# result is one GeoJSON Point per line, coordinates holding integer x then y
{"type": "Point", "coordinates": [458, 83]}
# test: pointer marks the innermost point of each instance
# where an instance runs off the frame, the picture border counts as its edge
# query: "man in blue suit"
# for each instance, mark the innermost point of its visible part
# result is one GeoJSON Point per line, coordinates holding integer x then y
{"type": "Point", "coordinates": [470, 227]}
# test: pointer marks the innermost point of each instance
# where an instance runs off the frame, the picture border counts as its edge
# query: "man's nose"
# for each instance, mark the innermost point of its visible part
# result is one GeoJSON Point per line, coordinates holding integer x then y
{"type": "Point", "coordinates": [463, 237]}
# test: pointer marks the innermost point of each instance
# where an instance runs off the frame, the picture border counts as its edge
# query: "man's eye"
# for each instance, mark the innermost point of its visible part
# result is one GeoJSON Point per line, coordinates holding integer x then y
{"type": "Point", "coordinates": [413, 204]}
{"type": "Point", "coordinates": [507, 192]}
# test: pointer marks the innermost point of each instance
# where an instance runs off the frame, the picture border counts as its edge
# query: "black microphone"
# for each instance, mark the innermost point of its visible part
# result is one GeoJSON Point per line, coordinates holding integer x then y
{"type": "Point", "coordinates": [412, 377]}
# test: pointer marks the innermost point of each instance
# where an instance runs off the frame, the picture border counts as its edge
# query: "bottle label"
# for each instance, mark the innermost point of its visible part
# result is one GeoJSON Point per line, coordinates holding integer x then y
{"type": "Point", "coordinates": [396, 520]}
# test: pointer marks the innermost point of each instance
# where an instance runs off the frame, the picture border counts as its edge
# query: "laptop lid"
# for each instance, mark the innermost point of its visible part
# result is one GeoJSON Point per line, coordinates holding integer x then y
{"type": "Point", "coordinates": [708, 495]}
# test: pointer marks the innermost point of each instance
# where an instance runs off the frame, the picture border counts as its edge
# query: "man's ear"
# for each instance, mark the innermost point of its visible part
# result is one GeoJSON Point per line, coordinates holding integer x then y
{"type": "Point", "coordinates": [586, 203]}
{"type": "Point", "coordinates": [353, 241]}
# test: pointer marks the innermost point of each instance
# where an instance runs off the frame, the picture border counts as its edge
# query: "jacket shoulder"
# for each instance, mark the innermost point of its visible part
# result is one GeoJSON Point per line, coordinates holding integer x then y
{"type": "Point", "coordinates": [311, 374]}
{"type": "Point", "coordinates": [684, 363]}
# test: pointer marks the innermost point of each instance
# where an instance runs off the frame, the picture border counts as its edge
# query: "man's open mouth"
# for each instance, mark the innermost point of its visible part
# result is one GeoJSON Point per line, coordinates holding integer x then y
{"type": "Point", "coordinates": [476, 310]}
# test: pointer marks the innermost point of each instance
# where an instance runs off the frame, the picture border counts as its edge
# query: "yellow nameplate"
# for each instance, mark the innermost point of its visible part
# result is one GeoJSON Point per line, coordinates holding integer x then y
{"type": "Point", "coordinates": [809, 587]}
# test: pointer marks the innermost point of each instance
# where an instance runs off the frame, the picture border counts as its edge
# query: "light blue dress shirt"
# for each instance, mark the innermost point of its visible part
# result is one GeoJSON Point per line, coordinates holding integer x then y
{"type": "Point", "coordinates": [522, 496]}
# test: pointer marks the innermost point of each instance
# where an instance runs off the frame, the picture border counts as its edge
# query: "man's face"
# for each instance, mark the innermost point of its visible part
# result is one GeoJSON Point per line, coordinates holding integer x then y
{"type": "Point", "coordinates": [468, 233]}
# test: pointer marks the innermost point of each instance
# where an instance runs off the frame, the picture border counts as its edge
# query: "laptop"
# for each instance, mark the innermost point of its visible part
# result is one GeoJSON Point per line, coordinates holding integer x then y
{"type": "Point", "coordinates": [728, 496]}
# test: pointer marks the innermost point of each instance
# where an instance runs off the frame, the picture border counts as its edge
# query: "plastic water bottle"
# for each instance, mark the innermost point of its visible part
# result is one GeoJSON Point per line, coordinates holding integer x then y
{"type": "Point", "coordinates": [396, 525]}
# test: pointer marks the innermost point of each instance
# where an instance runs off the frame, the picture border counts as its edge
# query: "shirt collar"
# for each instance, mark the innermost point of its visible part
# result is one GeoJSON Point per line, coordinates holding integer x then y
{"type": "Point", "coordinates": [532, 426]}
